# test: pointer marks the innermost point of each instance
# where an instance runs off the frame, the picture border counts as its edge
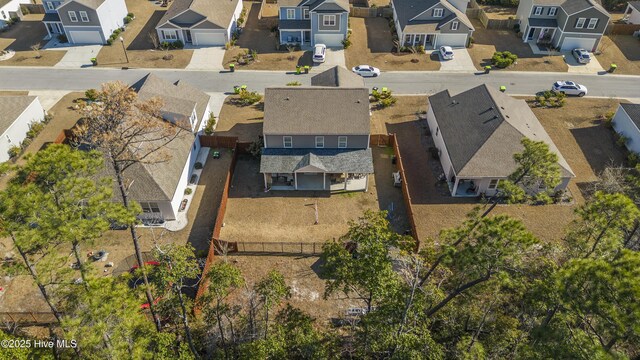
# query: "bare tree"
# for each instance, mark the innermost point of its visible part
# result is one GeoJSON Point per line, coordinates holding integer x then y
{"type": "Point", "coordinates": [128, 131]}
{"type": "Point", "coordinates": [36, 47]}
{"type": "Point", "coordinates": [153, 37]}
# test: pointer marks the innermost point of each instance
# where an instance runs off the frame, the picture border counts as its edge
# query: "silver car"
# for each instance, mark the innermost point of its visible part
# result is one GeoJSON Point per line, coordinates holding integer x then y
{"type": "Point", "coordinates": [581, 55]}
{"type": "Point", "coordinates": [569, 88]}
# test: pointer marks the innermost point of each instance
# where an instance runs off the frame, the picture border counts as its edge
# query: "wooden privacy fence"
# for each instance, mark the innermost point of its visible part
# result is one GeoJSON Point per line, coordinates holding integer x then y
{"type": "Point", "coordinates": [261, 247]}
{"type": "Point", "coordinates": [622, 29]}
{"type": "Point", "coordinates": [32, 8]}
{"type": "Point", "coordinates": [369, 12]}
{"type": "Point", "coordinates": [405, 189]}
{"type": "Point", "coordinates": [476, 12]}
{"type": "Point", "coordinates": [28, 318]}
{"type": "Point", "coordinates": [216, 141]}
{"type": "Point", "coordinates": [380, 140]}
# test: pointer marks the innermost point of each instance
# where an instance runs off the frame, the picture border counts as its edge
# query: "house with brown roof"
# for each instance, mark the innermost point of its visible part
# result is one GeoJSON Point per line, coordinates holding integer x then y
{"type": "Point", "coordinates": [17, 113]}
{"type": "Point", "coordinates": [200, 22]}
{"type": "Point", "coordinates": [317, 137]}
{"type": "Point", "coordinates": [476, 134]}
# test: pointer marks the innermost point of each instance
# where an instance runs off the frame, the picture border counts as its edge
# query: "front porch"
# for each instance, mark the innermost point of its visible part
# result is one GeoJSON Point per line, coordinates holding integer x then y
{"type": "Point", "coordinates": [426, 40]}
{"type": "Point", "coordinates": [53, 25]}
{"type": "Point", "coordinates": [317, 181]}
{"type": "Point", "coordinates": [539, 35]}
{"type": "Point", "coordinates": [296, 37]}
{"type": "Point", "coordinates": [463, 188]}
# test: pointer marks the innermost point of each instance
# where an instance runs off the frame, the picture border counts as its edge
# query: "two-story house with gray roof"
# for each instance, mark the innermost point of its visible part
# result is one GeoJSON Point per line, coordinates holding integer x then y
{"type": "Point", "coordinates": [432, 23]}
{"type": "Point", "coordinates": [310, 22]}
{"type": "Point", "coordinates": [477, 132]}
{"type": "Point", "coordinates": [200, 22]}
{"type": "Point", "coordinates": [562, 24]}
{"type": "Point", "coordinates": [84, 21]}
{"type": "Point", "coordinates": [317, 137]}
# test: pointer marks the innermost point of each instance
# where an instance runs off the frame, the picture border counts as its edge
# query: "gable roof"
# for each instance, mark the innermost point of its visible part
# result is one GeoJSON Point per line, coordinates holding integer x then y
{"type": "Point", "coordinates": [274, 160]}
{"type": "Point", "coordinates": [216, 12]}
{"type": "Point", "coordinates": [10, 109]}
{"type": "Point", "coordinates": [573, 6]}
{"type": "Point", "coordinates": [633, 110]}
{"type": "Point", "coordinates": [408, 9]}
{"type": "Point", "coordinates": [635, 5]}
{"type": "Point", "coordinates": [92, 4]}
{"type": "Point", "coordinates": [337, 76]}
{"type": "Point", "coordinates": [318, 5]}
{"type": "Point", "coordinates": [316, 110]}
{"type": "Point", "coordinates": [482, 129]}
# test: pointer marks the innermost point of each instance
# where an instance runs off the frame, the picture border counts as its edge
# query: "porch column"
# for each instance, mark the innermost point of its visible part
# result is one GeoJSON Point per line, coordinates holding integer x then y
{"type": "Point", "coordinates": [324, 183]}
{"type": "Point", "coordinates": [265, 181]}
{"type": "Point", "coordinates": [455, 187]}
{"type": "Point", "coordinates": [46, 25]}
{"type": "Point", "coordinates": [345, 180]}
{"type": "Point", "coordinates": [424, 42]}
{"type": "Point", "coordinates": [295, 180]}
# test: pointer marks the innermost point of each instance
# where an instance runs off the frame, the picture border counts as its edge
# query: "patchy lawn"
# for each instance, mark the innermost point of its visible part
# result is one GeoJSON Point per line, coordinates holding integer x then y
{"type": "Point", "coordinates": [622, 50]}
{"type": "Point", "coordinates": [407, 108]}
{"type": "Point", "coordinates": [257, 35]}
{"type": "Point", "coordinates": [486, 42]}
{"type": "Point", "coordinates": [245, 122]}
{"type": "Point", "coordinates": [21, 36]}
{"type": "Point", "coordinates": [140, 49]}
{"type": "Point", "coordinates": [372, 44]}
{"type": "Point", "coordinates": [499, 12]}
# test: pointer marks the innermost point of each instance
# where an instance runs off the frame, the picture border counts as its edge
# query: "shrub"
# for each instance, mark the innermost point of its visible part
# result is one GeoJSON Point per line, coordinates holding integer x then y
{"type": "Point", "coordinates": [294, 83]}
{"type": "Point", "coordinates": [384, 103]}
{"type": "Point", "coordinates": [62, 38]}
{"type": "Point", "coordinates": [34, 129]}
{"type": "Point", "coordinates": [346, 43]}
{"type": "Point", "coordinates": [621, 140]}
{"type": "Point", "coordinates": [211, 124]}
{"type": "Point", "coordinates": [127, 19]}
{"type": "Point", "coordinates": [165, 45]}
{"type": "Point", "coordinates": [188, 191]}
{"type": "Point", "coordinates": [633, 159]}
{"type": "Point", "coordinates": [608, 119]}
{"type": "Point", "coordinates": [503, 59]}
{"type": "Point", "coordinates": [47, 118]}
{"type": "Point", "coordinates": [131, 15]}
{"type": "Point", "coordinates": [14, 151]}
{"type": "Point", "coordinates": [198, 165]}
{"type": "Point", "coordinates": [109, 41]}
{"type": "Point", "coordinates": [420, 49]}
{"type": "Point", "coordinates": [255, 148]}
{"type": "Point", "coordinates": [542, 198]}
{"type": "Point", "coordinates": [91, 94]}
{"type": "Point", "coordinates": [177, 44]}
{"type": "Point", "coordinates": [249, 97]}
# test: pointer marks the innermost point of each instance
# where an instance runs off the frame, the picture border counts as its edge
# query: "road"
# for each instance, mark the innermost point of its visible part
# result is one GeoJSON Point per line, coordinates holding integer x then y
{"type": "Point", "coordinates": [518, 83]}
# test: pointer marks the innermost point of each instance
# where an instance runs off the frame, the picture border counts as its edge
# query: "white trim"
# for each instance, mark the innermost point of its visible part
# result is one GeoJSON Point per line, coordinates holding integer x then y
{"type": "Point", "coordinates": [305, 14]}
{"type": "Point", "coordinates": [284, 143]}
{"type": "Point", "coordinates": [82, 18]}
{"type": "Point", "coordinates": [455, 25]}
{"type": "Point", "coordinates": [345, 142]}
{"type": "Point", "coordinates": [595, 24]}
{"type": "Point", "coordinates": [71, 18]}
{"type": "Point", "coordinates": [590, 7]}
{"type": "Point", "coordinates": [291, 14]}
{"type": "Point", "coordinates": [326, 17]}
{"type": "Point", "coordinates": [164, 36]}
{"type": "Point", "coordinates": [50, 5]}
{"type": "Point", "coordinates": [440, 12]}
{"type": "Point", "coordinates": [555, 11]}
{"type": "Point", "coordinates": [538, 10]}
{"type": "Point", "coordinates": [584, 20]}
{"type": "Point", "coordinates": [316, 143]}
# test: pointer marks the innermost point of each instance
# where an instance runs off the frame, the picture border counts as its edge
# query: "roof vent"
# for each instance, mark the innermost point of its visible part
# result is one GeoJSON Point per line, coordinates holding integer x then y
{"type": "Point", "coordinates": [453, 102]}
{"type": "Point", "coordinates": [502, 107]}
{"type": "Point", "coordinates": [358, 101]}
{"type": "Point", "coordinates": [287, 98]}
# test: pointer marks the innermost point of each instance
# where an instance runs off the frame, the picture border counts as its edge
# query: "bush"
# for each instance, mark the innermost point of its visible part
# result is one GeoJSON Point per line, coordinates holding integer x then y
{"type": "Point", "coordinates": [14, 151]}
{"type": "Point", "coordinates": [249, 97]}
{"type": "Point", "coordinates": [503, 59]}
{"type": "Point", "coordinates": [211, 124]}
{"type": "Point", "coordinates": [608, 119]}
{"type": "Point", "coordinates": [420, 49]}
{"type": "Point", "coordinates": [47, 118]}
{"type": "Point", "coordinates": [131, 15]}
{"type": "Point", "coordinates": [346, 43]}
{"type": "Point", "coordinates": [62, 38]}
{"type": "Point", "coordinates": [294, 83]}
{"type": "Point", "coordinates": [127, 19]}
{"type": "Point", "coordinates": [165, 45]}
{"type": "Point", "coordinates": [91, 94]}
{"type": "Point", "coordinates": [621, 140]}
{"type": "Point", "coordinates": [633, 159]}
{"type": "Point", "coordinates": [188, 191]}
{"type": "Point", "coordinates": [384, 103]}
{"type": "Point", "coordinates": [198, 165]}
{"type": "Point", "coordinates": [34, 129]}
{"type": "Point", "coordinates": [177, 44]}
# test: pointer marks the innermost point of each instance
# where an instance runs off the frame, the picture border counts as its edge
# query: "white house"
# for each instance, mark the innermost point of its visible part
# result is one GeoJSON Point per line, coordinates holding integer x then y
{"type": "Point", "coordinates": [632, 13]}
{"type": "Point", "coordinates": [16, 113]}
{"type": "Point", "coordinates": [10, 9]}
{"type": "Point", "coordinates": [626, 122]}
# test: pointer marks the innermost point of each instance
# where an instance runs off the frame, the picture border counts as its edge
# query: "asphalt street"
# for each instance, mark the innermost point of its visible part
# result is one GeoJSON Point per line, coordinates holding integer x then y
{"type": "Point", "coordinates": [517, 83]}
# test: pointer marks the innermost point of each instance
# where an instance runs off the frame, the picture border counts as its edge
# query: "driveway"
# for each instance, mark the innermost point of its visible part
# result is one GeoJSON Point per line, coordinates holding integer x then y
{"type": "Point", "coordinates": [461, 61]}
{"type": "Point", "coordinates": [334, 57]}
{"type": "Point", "coordinates": [77, 56]}
{"type": "Point", "coordinates": [206, 58]}
{"type": "Point", "coordinates": [593, 67]}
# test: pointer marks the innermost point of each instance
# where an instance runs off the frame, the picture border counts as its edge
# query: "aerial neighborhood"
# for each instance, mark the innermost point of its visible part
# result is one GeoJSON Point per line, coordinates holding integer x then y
{"type": "Point", "coordinates": [319, 179]}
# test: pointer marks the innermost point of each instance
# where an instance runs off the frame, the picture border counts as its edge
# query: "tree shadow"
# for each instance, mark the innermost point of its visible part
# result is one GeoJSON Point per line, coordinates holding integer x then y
{"type": "Point", "coordinates": [598, 146]}
{"type": "Point", "coordinates": [379, 37]}
{"type": "Point", "coordinates": [142, 41]}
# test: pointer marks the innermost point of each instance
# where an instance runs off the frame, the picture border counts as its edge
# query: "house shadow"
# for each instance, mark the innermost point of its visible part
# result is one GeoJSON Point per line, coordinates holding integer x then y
{"type": "Point", "coordinates": [379, 37]}
{"type": "Point", "coordinates": [25, 34]}
{"type": "Point", "coordinates": [628, 45]}
{"type": "Point", "coordinates": [598, 146]}
{"type": "Point", "coordinates": [142, 40]}
{"type": "Point", "coordinates": [246, 132]}
{"type": "Point", "coordinates": [390, 198]}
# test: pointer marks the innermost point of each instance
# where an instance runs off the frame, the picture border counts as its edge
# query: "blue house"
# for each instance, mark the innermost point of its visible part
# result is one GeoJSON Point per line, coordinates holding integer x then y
{"type": "Point", "coordinates": [310, 22]}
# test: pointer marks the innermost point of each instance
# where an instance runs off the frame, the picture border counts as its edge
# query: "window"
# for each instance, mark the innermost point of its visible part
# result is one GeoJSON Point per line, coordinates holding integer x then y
{"type": "Point", "coordinates": [342, 142]}
{"type": "Point", "coordinates": [72, 16]}
{"type": "Point", "coordinates": [4, 16]}
{"type": "Point", "coordinates": [580, 23]}
{"type": "Point", "coordinates": [455, 25]}
{"type": "Point", "coordinates": [438, 12]}
{"type": "Point", "coordinates": [150, 207]}
{"type": "Point", "coordinates": [169, 35]}
{"type": "Point", "coordinates": [319, 141]}
{"type": "Point", "coordinates": [552, 11]}
{"type": "Point", "coordinates": [50, 5]}
{"type": "Point", "coordinates": [592, 23]}
{"type": "Point", "coordinates": [537, 11]}
{"type": "Point", "coordinates": [291, 13]}
{"type": "Point", "coordinates": [329, 20]}
{"type": "Point", "coordinates": [493, 184]}
{"type": "Point", "coordinates": [83, 16]}
{"type": "Point", "coordinates": [287, 141]}
{"type": "Point", "coordinates": [305, 13]}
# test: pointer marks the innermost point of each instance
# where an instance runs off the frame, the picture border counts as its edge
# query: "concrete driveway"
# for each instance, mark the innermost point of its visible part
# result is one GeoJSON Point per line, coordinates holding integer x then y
{"type": "Point", "coordinates": [206, 58]}
{"type": "Point", "coordinates": [593, 67]}
{"type": "Point", "coordinates": [334, 57]}
{"type": "Point", "coordinates": [461, 61]}
{"type": "Point", "coordinates": [77, 56]}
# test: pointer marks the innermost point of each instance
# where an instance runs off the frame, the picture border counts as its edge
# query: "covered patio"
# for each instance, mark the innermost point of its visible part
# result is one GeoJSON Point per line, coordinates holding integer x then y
{"type": "Point", "coordinates": [540, 33]}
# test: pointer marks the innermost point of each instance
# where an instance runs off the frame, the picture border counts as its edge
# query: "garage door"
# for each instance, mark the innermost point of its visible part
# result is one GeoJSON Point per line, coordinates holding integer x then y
{"type": "Point", "coordinates": [571, 43]}
{"type": "Point", "coordinates": [208, 38]}
{"type": "Point", "coordinates": [85, 37]}
{"type": "Point", "coordinates": [332, 40]}
{"type": "Point", "coordinates": [453, 40]}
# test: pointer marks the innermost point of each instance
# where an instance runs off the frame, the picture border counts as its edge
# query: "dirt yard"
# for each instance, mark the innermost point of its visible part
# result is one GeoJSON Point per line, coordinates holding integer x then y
{"type": "Point", "coordinates": [257, 35]}
{"type": "Point", "coordinates": [405, 109]}
{"type": "Point", "coordinates": [140, 49]}
{"type": "Point", "coordinates": [486, 42]}
{"type": "Point", "coordinates": [245, 122]}
{"type": "Point", "coordinates": [622, 50]}
{"type": "Point", "coordinates": [21, 36]}
{"type": "Point", "coordinates": [499, 12]}
{"type": "Point", "coordinates": [372, 44]}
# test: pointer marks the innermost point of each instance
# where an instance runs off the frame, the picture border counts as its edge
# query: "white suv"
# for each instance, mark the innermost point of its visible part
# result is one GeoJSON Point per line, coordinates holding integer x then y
{"type": "Point", "coordinates": [319, 53]}
{"type": "Point", "coordinates": [569, 88]}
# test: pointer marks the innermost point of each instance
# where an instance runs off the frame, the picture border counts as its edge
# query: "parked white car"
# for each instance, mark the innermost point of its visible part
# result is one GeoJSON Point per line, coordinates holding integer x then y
{"type": "Point", "coordinates": [319, 53]}
{"type": "Point", "coordinates": [581, 55]}
{"type": "Point", "coordinates": [446, 52]}
{"type": "Point", "coordinates": [569, 88]}
{"type": "Point", "coordinates": [366, 70]}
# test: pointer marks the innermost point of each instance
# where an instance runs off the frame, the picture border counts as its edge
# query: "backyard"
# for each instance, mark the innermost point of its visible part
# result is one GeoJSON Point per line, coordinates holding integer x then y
{"type": "Point", "coordinates": [141, 50]}
{"type": "Point", "coordinates": [487, 41]}
{"type": "Point", "coordinates": [21, 36]}
{"type": "Point", "coordinates": [245, 122]}
{"type": "Point", "coordinates": [622, 50]}
{"type": "Point", "coordinates": [372, 44]}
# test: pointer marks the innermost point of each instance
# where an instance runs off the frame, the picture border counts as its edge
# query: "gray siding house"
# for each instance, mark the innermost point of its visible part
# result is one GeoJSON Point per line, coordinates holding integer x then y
{"type": "Point", "coordinates": [562, 24]}
{"type": "Point", "coordinates": [84, 21]}
{"type": "Point", "coordinates": [432, 23]}
{"type": "Point", "coordinates": [317, 137]}
{"type": "Point", "coordinates": [477, 132]}
{"type": "Point", "coordinates": [626, 122]}
{"type": "Point", "coordinates": [200, 22]}
{"type": "Point", "coordinates": [310, 22]}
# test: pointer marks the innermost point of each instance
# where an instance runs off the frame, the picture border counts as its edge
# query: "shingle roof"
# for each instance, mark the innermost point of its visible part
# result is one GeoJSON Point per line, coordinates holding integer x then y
{"type": "Point", "coordinates": [294, 24]}
{"type": "Point", "coordinates": [572, 6]}
{"type": "Point", "coordinates": [316, 110]}
{"type": "Point", "coordinates": [326, 5]}
{"type": "Point", "coordinates": [483, 128]}
{"type": "Point", "coordinates": [328, 160]}
{"type": "Point", "coordinates": [54, 17]}
{"type": "Point", "coordinates": [408, 9]}
{"type": "Point", "coordinates": [11, 107]}
{"type": "Point", "coordinates": [337, 76]}
{"type": "Point", "coordinates": [217, 12]}
{"type": "Point", "coordinates": [543, 22]}
{"type": "Point", "coordinates": [633, 110]}
{"type": "Point", "coordinates": [635, 5]}
{"type": "Point", "coordinates": [92, 4]}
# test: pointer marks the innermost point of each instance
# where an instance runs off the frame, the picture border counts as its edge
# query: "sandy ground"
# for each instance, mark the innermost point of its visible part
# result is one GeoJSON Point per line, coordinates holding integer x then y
{"type": "Point", "coordinates": [372, 44]}
{"type": "Point", "coordinates": [21, 36]}
{"type": "Point", "coordinates": [245, 122]}
{"type": "Point", "coordinates": [622, 50]}
{"type": "Point", "coordinates": [499, 12]}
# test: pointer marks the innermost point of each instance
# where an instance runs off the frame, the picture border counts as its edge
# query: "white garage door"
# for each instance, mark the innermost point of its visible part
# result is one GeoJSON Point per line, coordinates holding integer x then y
{"type": "Point", "coordinates": [453, 40]}
{"type": "Point", "coordinates": [208, 38]}
{"type": "Point", "coordinates": [571, 43]}
{"type": "Point", "coordinates": [329, 39]}
{"type": "Point", "coordinates": [85, 37]}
